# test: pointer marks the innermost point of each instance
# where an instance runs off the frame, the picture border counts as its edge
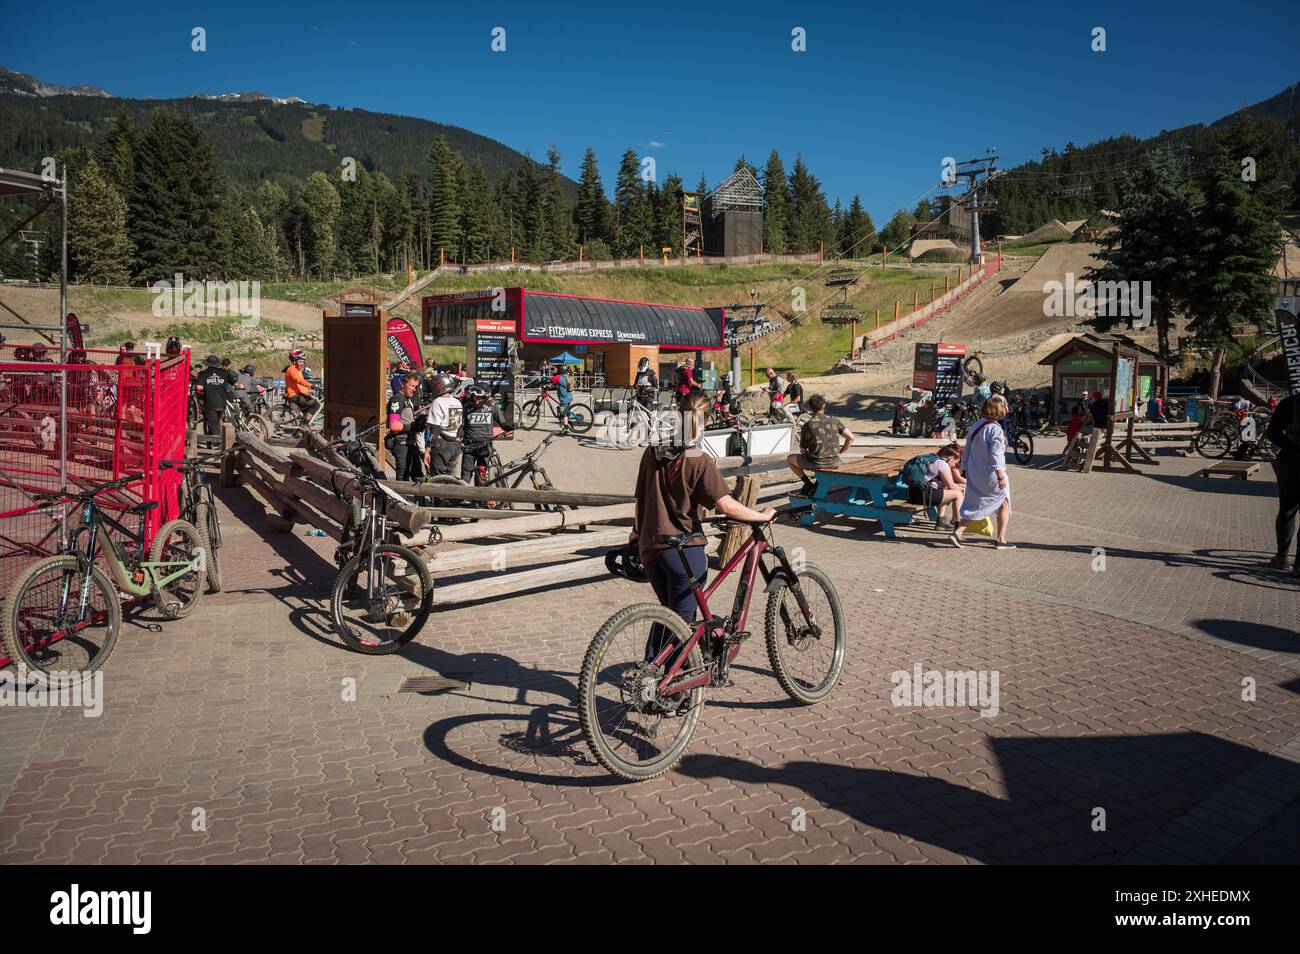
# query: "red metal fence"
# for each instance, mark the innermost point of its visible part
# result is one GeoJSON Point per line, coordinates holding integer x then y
{"type": "Point", "coordinates": [123, 415]}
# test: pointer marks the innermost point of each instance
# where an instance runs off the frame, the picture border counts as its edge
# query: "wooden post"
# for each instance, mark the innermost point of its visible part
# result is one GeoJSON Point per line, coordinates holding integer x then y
{"type": "Point", "coordinates": [895, 309]}
{"type": "Point", "coordinates": [877, 319]}
{"type": "Point", "coordinates": [853, 340]}
{"type": "Point", "coordinates": [746, 491]}
{"type": "Point", "coordinates": [579, 254]}
{"type": "Point", "coordinates": [442, 257]}
{"type": "Point", "coordinates": [512, 254]}
{"type": "Point", "coordinates": [821, 251]}
{"type": "Point", "coordinates": [932, 293]}
{"type": "Point", "coordinates": [916, 299]}
{"type": "Point", "coordinates": [945, 283]}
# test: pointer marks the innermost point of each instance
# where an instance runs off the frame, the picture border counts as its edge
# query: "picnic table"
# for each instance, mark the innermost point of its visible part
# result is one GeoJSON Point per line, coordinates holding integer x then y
{"type": "Point", "coordinates": [864, 488]}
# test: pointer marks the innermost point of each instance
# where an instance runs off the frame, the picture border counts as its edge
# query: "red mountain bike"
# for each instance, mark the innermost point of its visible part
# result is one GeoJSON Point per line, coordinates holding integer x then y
{"type": "Point", "coordinates": [639, 704]}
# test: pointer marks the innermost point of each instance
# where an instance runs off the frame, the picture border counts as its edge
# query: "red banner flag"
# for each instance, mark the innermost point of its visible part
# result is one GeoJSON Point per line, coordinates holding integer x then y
{"type": "Point", "coordinates": [404, 342]}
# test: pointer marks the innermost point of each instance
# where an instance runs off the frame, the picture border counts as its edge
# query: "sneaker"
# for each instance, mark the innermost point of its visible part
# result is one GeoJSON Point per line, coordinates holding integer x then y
{"type": "Point", "coordinates": [945, 525]}
{"type": "Point", "coordinates": [1280, 562]}
{"type": "Point", "coordinates": [955, 541]}
{"type": "Point", "coordinates": [1003, 546]}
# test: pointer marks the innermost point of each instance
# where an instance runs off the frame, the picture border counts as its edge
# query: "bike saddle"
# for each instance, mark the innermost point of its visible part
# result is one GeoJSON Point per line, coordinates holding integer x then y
{"type": "Point", "coordinates": [143, 507]}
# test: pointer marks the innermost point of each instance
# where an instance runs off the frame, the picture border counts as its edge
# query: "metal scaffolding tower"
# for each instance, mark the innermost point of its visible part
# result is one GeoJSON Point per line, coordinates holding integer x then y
{"type": "Point", "coordinates": [975, 174]}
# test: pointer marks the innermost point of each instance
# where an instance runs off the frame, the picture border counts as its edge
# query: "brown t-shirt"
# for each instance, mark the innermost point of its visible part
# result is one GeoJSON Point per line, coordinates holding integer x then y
{"type": "Point", "coordinates": [672, 497]}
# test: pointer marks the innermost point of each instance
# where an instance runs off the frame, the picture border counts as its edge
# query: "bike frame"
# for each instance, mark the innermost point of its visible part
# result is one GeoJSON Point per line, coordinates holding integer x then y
{"type": "Point", "coordinates": [751, 555]}
{"type": "Point", "coordinates": [155, 575]}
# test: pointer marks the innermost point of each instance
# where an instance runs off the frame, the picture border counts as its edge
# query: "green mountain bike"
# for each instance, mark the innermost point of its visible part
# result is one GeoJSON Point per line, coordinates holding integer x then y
{"type": "Point", "coordinates": [64, 612]}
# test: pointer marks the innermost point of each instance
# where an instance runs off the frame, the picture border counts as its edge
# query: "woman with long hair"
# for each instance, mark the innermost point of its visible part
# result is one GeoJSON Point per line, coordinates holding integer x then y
{"type": "Point", "coordinates": [675, 486]}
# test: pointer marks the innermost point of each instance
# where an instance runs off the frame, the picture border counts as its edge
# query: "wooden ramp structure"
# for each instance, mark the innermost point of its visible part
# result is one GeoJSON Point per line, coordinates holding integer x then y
{"type": "Point", "coordinates": [474, 553]}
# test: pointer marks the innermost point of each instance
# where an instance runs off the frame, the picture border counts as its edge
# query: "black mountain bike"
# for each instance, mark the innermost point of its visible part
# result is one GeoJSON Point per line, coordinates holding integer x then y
{"type": "Point", "coordinates": [196, 505]}
{"type": "Point", "coordinates": [513, 474]}
{"type": "Point", "coordinates": [383, 594]}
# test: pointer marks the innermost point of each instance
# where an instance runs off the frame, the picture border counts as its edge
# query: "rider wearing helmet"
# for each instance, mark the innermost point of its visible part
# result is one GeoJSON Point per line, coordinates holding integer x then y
{"type": "Point", "coordinates": [482, 418]}
{"type": "Point", "coordinates": [442, 437]}
{"type": "Point", "coordinates": [983, 390]}
{"type": "Point", "coordinates": [297, 389]}
{"type": "Point", "coordinates": [646, 383]}
{"type": "Point", "coordinates": [246, 387]}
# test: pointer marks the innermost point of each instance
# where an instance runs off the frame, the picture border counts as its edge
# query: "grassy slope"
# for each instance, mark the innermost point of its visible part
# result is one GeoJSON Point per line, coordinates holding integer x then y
{"type": "Point", "coordinates": [810, 348]}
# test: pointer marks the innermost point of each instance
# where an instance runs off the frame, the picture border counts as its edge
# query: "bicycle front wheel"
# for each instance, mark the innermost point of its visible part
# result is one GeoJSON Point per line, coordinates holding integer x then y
{"type": "Point", "coordinates": [631, 729]}
{"type": "Point", "coordinates": [580, 418]}
{"type": "Point", "coordinates": [1216, 441]}
{"type": "Point", "coordinates": [382, 598]}
{"type": "Point", "coordinates": [206, 523]}
{"type": "Point", "coordinates": [44, 627]}
{"type": "Point", "coordinates": [180, 542]}
{"type": "Point", "coordinates": [806, 649]}
{"type": "Point", "coordinates": [1023, 447]}
{"type": "Point", "coordinates": [531, 414]}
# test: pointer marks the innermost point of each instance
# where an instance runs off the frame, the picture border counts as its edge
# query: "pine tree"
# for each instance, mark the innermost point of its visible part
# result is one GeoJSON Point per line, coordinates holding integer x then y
{"type": "Point", "coordinates": [98, 245]}
{"type": "Point", "coordinates": [1237, 245]}
{"type": "Point", "coordinates": [896, 233]}
{"type": "Point", "coordinates": [319, 204]}
{"type": "Point", "coordinates": [634, 218]}
{"type": "Point", "coordinates": [477, 215]}
{"type": "Point", "coordinates": [559, 240]}
{"type": "Point", "coordinates": [856, 231]}
{"type": "Point", "coordinates": [1153, 242]}
{"type": "Point", "coordinates": [591, 214]}
{"type": "Point", "coordinates": [776, 206]}
{"type": "Point", "coordinates": [668, 222]}
{"type": "Point", "coordinates": [254, 253]}
{"type": "Point", "coordinates": [175, 210]}
{"type": "Point", "coordinates": [810, 217]}
{"type": "Point", "coordinates": [116, 155]}
{"type": "Point", "coordinates": [444, 205]}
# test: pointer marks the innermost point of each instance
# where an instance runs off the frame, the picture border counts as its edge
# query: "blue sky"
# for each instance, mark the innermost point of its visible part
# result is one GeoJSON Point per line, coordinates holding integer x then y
{"type": "Point", "coordinates": [880, 96]}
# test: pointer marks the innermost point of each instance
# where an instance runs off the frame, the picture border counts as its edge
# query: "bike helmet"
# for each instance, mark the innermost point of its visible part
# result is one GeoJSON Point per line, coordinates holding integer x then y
{"type": "Point", "coordinates": [443, 384]}
{"type": "Point", "coordinates": [625, 561]}
{"type": "Point", "coordinates": [726, 379]}
{"type": "Point", "coordinates": [643, 365]}
{"type": "Point", "coordinates": [248, 369]}
{"type": "Point", "coordinates": [297, 354]}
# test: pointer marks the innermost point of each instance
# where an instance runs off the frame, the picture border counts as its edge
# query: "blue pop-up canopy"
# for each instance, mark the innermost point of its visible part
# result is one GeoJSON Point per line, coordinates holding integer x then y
{"type": "Point", "coordinates": [564, 358]}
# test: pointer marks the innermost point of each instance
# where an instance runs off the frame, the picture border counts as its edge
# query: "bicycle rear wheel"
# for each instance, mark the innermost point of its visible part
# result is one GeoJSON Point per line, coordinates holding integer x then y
{"type": "Point", "coordinates": [179, 542]}
{"type": "Point", "coordinates": [205, 519]}
{"type": "Point", "coordinates": [580, 418]}
{"type": "Point", "coordinates": [531, 413]}
{"type": "Point", "coordinates": [630, 729]}
{"type": "Point", "coordinates": [43, 628]}
{"type": "Point", "coordinates": [379, 610]}
{"type": "Point", "coordinates": [806, 651]}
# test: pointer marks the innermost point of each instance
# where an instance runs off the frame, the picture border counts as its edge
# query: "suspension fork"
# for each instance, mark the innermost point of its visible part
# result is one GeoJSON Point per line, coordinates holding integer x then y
{"type": "Point", "coordinates": [786, 569]}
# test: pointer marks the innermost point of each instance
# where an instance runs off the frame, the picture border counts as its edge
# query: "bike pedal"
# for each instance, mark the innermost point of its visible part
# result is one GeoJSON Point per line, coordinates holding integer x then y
{"type": "Point", "coordinates": [737, 637]}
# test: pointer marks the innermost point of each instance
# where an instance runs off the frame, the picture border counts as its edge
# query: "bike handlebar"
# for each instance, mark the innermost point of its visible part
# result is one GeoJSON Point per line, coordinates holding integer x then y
{"type": "Point", "coordinates": [95, 491]}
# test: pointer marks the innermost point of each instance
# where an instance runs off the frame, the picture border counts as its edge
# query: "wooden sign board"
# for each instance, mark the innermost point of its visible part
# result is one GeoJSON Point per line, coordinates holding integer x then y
{"type": "Point", "coordinates": [355, 375]}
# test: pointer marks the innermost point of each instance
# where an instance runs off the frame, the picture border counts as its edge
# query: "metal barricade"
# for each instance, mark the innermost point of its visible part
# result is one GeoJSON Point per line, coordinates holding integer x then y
{"type": "Point", "coordinates": [123, 416]}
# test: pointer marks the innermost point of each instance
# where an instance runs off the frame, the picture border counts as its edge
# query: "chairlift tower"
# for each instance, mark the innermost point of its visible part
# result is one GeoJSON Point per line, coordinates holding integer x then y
{"type": "Point", "coordinates": [975, 174]}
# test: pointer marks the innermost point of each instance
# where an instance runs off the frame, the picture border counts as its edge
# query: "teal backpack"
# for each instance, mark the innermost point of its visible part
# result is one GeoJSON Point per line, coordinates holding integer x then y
{"type": "Point", "coordinates": [914, 470]}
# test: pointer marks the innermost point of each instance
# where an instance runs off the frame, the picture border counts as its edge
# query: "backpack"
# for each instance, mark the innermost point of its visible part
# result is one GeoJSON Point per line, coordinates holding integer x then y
{"type": "Point", "coordinates": [914, 470]}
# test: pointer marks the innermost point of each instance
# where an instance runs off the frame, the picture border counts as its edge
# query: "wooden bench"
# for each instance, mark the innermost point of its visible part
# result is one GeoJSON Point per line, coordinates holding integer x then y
{"type": "Point", "coordinates": [1240, 469]}
{"type": "Point", "coordinates": [1151, 436]}
{"type": "Point", "coordinates": [865, 488]}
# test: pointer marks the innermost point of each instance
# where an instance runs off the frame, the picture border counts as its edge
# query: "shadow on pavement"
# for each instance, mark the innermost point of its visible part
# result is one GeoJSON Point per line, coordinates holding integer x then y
{"type": "Point", "coordinates": [1142, 782]}
{"type": "Point", "coordinates": [1257, 635]}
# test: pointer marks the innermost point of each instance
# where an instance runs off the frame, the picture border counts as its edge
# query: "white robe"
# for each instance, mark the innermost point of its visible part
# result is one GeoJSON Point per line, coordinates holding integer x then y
{"type": "Point", "coordinates": [985, 454]}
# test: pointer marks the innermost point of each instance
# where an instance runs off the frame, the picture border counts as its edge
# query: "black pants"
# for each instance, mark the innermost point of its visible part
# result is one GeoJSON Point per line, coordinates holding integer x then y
{"type": "Point", "coordinates": [212, 419]}
{"type": "Point", "coordinates": [1288, 504]}
{"type": "Point", "coordinates": [471, 459]}
{"type": "Point", "coordinates": [401, 452]}
{"type": "Point", "coordinates": [672, 583]}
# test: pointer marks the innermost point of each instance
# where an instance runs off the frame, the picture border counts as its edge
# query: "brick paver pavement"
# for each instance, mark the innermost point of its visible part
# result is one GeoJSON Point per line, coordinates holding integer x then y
{"type": "Point", "coordinates": [1120, 699]}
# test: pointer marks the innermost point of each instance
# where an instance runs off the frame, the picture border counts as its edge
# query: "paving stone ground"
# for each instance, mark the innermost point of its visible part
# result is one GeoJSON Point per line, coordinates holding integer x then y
{"type": "Point", "coordinates": [1121, 699]}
